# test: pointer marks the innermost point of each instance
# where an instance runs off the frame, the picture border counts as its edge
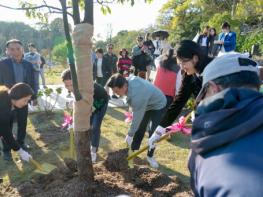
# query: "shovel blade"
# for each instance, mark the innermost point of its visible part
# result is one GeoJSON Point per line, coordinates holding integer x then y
{"type": "Point", "coordinates": [46, 168]}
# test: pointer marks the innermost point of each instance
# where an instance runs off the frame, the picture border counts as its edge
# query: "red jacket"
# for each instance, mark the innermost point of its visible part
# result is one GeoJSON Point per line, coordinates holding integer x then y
{"type": "Point", "coordinates": [124, 63]}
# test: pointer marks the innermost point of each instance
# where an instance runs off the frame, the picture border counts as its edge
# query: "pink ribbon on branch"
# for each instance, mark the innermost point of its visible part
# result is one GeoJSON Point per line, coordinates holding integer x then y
{"type": "Point", "coordinates": [180, 126]}
{"type": "Point", "coordinates": [128, 117]}
{"type": "Point", "coordinates": [68, 120]}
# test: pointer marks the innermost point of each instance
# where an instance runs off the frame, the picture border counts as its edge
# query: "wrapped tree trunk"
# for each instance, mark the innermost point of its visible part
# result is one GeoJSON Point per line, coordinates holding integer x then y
{"type": "Point", "coordinates": [83, 108]}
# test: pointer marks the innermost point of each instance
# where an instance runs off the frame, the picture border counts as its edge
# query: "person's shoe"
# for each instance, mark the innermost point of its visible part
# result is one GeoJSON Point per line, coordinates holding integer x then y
{"type": "Point", "coordinates": [7, 156]}
{"type": "Point", "coordinates": [153, 163]}
{"type": "Point", "coordinates": [26, 147]}
{"type": "Point", "coordinates": [93, 157]}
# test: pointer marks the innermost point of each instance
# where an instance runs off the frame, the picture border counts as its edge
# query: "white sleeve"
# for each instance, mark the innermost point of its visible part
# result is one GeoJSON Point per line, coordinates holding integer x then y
{"type": "Point", "coordinates": [178, 81]}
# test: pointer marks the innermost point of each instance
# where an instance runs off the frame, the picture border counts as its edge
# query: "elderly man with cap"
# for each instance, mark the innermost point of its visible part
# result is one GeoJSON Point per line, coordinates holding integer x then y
{"type": "Point", "coordinates": [227, 133]}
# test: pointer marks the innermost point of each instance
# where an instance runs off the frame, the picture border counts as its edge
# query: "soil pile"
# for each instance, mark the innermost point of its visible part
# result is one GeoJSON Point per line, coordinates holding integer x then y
{"type": "Point", "coordinates": [112, 178]}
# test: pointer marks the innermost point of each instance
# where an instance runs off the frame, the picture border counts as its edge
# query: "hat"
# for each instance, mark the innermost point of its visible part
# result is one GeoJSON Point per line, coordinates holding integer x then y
{"type": "Point", "coordinates": [226, 65]}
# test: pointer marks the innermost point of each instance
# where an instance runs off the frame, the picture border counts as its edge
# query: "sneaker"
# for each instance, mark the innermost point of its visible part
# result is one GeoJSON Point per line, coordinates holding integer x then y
{"type": "Point", "coordinates": [7, 156]}
{"type": "Point", "coordinates": [153, 163]}
{"type": "Point", "coordinates": [93, 157]}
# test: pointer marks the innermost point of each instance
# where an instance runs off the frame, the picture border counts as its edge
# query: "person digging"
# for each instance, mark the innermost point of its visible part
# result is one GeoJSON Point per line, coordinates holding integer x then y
{"type": "Point", "coordinates": [100, 104]}
{"type": "Point", "coordinates": [147, 103]}
{"type": "Point", "coordinates": [10, 99]}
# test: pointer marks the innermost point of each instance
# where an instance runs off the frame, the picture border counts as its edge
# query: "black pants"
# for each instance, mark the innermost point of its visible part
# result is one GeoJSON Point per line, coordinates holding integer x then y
{"type": "Point", "coordinates": [21, 116]}
{"type": "Point", "coordinates": [155, 117]}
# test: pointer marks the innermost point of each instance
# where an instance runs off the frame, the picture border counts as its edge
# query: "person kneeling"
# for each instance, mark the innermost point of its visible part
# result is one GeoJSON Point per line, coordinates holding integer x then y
{"type": "Point", "coordinates": [16, 97]}
{"type": "Point", "coordinates": [147, 103]}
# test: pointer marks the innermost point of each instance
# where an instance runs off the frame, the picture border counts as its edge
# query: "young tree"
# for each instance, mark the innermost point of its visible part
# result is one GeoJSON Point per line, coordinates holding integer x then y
{"type": "Point", "coordinates": [80, 66]}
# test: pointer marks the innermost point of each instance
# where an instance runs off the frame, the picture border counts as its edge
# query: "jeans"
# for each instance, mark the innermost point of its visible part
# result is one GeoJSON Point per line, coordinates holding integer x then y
{"type": "Point", "coordinates": [155, 117]}
{"type": "Point", "coordinates": [21, 115]}
{"type": "Point", "coordinates": [96, 120]}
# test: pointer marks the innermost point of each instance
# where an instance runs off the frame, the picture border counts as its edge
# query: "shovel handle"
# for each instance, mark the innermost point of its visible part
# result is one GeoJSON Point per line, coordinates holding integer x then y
{"type": "Point", "coordinates": [36, 164]}
{"type": "Point", "coordinates": [146, 147]}
{"type": "Point", "coordinates": [165, 136]}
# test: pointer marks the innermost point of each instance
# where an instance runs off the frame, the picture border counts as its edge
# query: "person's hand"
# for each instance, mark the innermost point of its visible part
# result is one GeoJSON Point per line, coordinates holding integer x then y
{"type": "Point", "coordinates": [128, 140]}
{"type": "Point", "coordinates": [156, 136]}
{"type": "Point", "coordinates": [218, 42]}
{"type": "Point", "coordinates": [25, 156]}
{"type": "Point", "coordinates": [34, 102]}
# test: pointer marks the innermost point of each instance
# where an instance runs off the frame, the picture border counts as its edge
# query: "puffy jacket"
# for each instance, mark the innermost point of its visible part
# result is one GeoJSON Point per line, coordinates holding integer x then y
{"type": "Point", "coordinates": [227, 148]}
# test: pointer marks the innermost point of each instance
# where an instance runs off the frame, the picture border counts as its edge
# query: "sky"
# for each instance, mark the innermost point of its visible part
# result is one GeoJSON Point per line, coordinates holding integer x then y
{"type": "Point", "coordinates": [123, 17]}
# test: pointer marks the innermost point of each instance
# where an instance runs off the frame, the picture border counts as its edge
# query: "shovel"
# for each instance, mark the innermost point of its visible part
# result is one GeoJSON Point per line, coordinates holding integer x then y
{"type": "Point", "coordinates": [44, 168]}
{"type": "Point", "coordinates": [135, 154]}
{"type": "Point", "coordinates": [72, 148]}
{"type": "Point", "coordinates": [165, 136]}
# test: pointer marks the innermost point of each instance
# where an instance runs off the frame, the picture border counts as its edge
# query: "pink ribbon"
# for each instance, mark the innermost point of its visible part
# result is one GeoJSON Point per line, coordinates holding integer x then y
{"type": "Point", "coordinates": [68, 120]}
{"type": "Point", "coordinates": [180, 127]}
{"type": "Point", "coordinates": [128, 117]}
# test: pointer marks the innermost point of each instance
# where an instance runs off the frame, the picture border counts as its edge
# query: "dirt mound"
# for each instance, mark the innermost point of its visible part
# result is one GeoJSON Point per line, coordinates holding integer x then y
{"type": "Point", "coordinates": [116, 161]}
{"type": "Point", "coordinates": [138, 181]}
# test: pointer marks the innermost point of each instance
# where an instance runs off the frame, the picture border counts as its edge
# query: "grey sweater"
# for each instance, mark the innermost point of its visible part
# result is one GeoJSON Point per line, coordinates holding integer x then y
{"type": "Point", "coordinates": [142, 96]}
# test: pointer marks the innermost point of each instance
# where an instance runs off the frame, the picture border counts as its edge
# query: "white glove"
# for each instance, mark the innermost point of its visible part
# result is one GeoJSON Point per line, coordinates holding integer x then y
{"type": "Point", "coordinates": [192, 116]}
{"type": "Point", "coordinates": [159, 131]}
{"type": "Point", "coordinates": [24, 155]}
{"type": "Point", "coordinates": [128, 140]}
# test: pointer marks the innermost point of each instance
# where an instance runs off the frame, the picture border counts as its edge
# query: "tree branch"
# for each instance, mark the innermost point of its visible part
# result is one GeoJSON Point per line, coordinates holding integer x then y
{"type": "Point", "coordinates": [33, 8]}
{"type": "Point", "coordinates": [88, 12]}
{"type": "Point", "coordinates": [76, 15]}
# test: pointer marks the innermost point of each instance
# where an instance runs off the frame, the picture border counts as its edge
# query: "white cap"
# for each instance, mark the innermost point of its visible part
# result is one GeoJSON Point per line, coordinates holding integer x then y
{"type": "Point", "coordinates": [226, 65]}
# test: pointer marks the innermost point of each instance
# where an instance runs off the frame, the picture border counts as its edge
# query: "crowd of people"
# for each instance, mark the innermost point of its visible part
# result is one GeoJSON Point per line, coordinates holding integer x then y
{"type": "Point", "coordinates": [227, 132]}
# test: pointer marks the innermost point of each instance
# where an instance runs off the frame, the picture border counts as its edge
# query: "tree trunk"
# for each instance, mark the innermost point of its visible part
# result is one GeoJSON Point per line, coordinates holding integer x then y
{"type": "Point", "coordinates": [70, 55]}
{"type": "Point", "coordinates": [82, 35]}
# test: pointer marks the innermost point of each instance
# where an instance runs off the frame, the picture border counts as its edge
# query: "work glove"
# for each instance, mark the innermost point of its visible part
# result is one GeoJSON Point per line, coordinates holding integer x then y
{"type": "Point", "coordinates": [25, 156]}
{"type": "Point", "coordinates": [128, 140]}
{"type": "Point", "coordinates": [159, 131]}
{"type": "Point", "coordinates": [192, 116]}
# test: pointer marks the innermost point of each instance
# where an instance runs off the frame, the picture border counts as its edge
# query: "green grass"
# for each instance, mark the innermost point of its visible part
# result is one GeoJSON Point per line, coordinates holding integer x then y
{"type": "Point", "coordinates": [50, 144]}
{"type": "Point", "coordinates": [52, 75]}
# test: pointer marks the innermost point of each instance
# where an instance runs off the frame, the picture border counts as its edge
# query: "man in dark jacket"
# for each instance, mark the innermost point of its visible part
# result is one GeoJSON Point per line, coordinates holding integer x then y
{"type": "Point", "coordinates": [101, 70]}
{"type": "Point", "coordinates": [111, 58]}
{"type": "Point", "coordinates": [226, 158]}
{"type": "Point", "coordinates": [15, 69]}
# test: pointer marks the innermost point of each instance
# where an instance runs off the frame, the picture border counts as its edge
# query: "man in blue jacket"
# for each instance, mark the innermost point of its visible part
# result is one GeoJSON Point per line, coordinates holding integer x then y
{"type": "Point", "coordinates": [227, 133]}
{"type": "Point", "coordinates": [15, 69]}
{"type": "Point", "coordinates": [227, 39]}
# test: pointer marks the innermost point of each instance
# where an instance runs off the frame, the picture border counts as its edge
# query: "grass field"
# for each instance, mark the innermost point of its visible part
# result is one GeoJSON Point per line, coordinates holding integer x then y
{"type": "Point", "coordinates": [50, 144]}
{"type": "Point", "coordinates": [53, 75]}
